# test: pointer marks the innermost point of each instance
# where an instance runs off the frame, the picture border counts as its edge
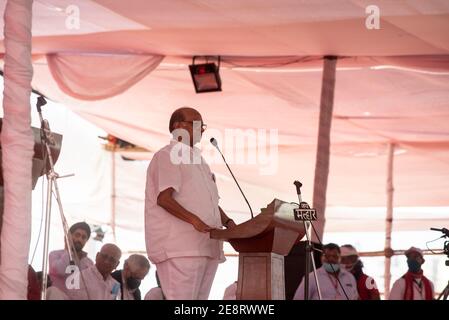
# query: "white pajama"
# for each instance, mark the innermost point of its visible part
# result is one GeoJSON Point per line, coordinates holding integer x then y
{"type": "Point", "coordinates": [187, 278]}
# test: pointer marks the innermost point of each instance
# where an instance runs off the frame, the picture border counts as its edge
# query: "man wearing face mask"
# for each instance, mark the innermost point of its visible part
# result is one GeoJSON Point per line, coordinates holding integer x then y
{"type": "Point", "coordinates": [59, 260]}
{"type": "Point", "coordinates": [135, 269]}
{"type": "Point", "coordinates": [350, 261]}
{"type": "Point", "coordinates": [335, 283]}
{"type": "Point", "coordinates": [413, 285]}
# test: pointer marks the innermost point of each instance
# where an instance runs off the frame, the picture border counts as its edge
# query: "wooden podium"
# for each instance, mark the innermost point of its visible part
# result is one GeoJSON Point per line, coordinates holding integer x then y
{"type": "Point", "coordinates": [262, 243]}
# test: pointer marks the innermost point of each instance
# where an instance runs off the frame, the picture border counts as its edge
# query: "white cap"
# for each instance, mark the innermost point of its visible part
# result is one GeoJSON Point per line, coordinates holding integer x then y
{"type": "Point", "coordinates": [413, 249]}
{"type": "Point", "coordinates": [346, 251]}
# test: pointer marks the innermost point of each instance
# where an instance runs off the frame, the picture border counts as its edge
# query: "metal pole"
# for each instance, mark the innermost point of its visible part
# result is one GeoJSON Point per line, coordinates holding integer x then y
{"type": "Point", "coordinates": [389, 221]}
{"type": "Point", "coordinates": [51, 182]}
{"type": "Point", "coordinates": [306, 272]}
{"type": "Point", "coordinates": [46, 239]}
{"type": "Point", "coordinates": [113, 193]}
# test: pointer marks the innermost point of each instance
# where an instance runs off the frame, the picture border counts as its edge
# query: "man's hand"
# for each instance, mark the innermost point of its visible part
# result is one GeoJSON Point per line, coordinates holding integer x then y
{"type": "Point", "coordinates": [225, 220]}
{"type": "Point", "coordinates": [166, 201]}
{"type": "Point", "coordinates": [200, 226]}
{"type": "Point", "coordinates": [230, 224]}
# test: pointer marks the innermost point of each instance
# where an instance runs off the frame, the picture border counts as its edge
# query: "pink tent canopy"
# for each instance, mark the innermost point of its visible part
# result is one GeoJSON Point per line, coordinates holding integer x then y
{"type": "Point", "coordinates": [391, 85]}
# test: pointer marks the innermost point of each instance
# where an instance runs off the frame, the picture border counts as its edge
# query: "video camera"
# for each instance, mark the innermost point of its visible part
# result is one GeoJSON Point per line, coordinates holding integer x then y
{"type": "Point", "coordinates": [446, 243]}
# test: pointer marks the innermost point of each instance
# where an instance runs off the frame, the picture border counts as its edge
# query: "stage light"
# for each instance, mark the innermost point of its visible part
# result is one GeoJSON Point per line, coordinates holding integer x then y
{"type": "Point", "coordinates": [206, 77]}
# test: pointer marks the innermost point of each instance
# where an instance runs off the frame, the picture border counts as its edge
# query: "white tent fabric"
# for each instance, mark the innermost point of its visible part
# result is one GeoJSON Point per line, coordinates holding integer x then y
{"type": "Point", "coordinates": [391, 86]}
{"type": "Point", "coordinates": [103, 76]}
{"type": "Point", "coordinates": [389, 220]}
{"type": "Point", "coordinates": [17, 151]}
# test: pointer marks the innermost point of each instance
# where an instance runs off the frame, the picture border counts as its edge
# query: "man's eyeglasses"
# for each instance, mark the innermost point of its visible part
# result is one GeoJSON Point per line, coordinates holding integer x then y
{"type": "Point", "coordinates": [203, 125]}
{"type": "Point", "coordinates": [108, 258]}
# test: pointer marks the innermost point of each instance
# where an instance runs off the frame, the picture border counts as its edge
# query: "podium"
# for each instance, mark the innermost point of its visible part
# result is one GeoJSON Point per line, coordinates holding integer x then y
{"type": "Point", "coordinates": [262, 243]}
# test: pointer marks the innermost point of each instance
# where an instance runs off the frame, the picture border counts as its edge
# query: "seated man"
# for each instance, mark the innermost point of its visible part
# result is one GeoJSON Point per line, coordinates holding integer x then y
{"type": "Point", "coordinates": [334, 283]}
{"type": "Point", "coordinates": [350, 261]}
{"type": "Point", "coordinates": [413, 285]}
{"type": "Point", "coordinates": [135, 268]}
{"type": "Point", "coordinates": [59, 260]}
{"type": "Point", "coordinates": [96, 282]}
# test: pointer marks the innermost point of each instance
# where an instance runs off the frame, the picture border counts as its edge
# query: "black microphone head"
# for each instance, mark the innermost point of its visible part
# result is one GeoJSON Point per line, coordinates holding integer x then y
{"type": "Point", "coordinates": [214, 142]}
{"type": "Point", "coordinates": [41, 101]}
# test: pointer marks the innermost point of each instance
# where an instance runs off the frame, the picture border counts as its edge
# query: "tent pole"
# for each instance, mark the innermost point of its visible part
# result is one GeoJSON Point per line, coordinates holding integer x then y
{"type": "Point", "coordinates": [389, 220]}
{"type": "Point", "coordinates": [323, 145]}
{"type": "Point", "coordinates": [113, 194]}
{"type": "Point", "coordinates": [17, 151]}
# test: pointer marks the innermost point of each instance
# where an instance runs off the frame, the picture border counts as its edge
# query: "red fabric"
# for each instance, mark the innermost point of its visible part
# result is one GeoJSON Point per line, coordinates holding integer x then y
{"type": "Point", "coordinates": [34, 287]}
{"type": "Point", "coordinates": [409, 277]}
{"type": "Point", "coordinates": [367, 288]}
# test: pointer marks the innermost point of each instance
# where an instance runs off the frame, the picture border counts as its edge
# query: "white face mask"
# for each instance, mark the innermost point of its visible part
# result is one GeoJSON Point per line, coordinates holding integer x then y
{"type": "Point", "coordinates": [331, 267]}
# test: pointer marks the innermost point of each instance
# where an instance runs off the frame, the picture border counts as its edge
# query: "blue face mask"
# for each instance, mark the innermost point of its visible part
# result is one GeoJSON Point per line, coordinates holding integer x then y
{"type": "Point", "coordinates": [331, 267]}
{"type": "Point", "coordinates": [413, 265]}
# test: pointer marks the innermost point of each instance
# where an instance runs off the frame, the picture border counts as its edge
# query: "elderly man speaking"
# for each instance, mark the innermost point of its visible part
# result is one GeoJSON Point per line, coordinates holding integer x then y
{"type": "Point", "coordinates": [181, 208]}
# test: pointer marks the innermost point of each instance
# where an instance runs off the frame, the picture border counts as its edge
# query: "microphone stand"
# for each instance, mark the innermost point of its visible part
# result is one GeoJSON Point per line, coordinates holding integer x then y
{"type": "Point", "coordinates": [309, 250]}
{"type": "Point", "coordinates": [215, 144]}
{"type": "Point", "coordinates": [47, 139]}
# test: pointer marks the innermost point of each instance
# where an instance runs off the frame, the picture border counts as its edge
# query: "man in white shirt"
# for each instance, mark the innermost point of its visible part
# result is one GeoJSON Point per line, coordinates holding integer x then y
{"type": "Point", "coordinates": [334, 283]}
{"type": "Point", "coordinates": [135, 269]}
{"type": "Point", "coordinates": [96, 282]}
{"type": "Point", "coordinates": [59, 260]}
{"type": "Point", "coordinates": [413, 285]}
{"type": "Point", "coordinates": [181, 208]}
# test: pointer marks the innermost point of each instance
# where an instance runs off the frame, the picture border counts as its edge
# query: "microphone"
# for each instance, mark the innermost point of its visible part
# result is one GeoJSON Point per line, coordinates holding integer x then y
{"type": "Point", "coordinates": [40, 102]}
{"type": "Point", "coordinates": [298, 189]}
{"type": "Point", "coordinates": [443, 230]}
{"type": "Point", "coordinates": [215, 144]}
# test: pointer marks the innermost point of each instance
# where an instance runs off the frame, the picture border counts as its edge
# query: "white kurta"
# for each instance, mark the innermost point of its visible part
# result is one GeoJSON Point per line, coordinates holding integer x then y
{"type": "Point", "coordinates": [166, 235]}
{"type": "Point", "coordinates": [398, 290]}
{"type": "Point", "coordinates": [54, 293]}
{"type": "Point", "coordinates": [94, 287]}
{"type": "Point", "coordinates": [58, 262]}
{"type": "Point", "coordinates": [330, 289]}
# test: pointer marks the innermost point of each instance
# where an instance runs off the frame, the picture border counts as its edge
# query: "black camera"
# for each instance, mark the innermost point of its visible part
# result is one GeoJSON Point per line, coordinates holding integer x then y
{"type": "Point", "coordinates": [446, 243]}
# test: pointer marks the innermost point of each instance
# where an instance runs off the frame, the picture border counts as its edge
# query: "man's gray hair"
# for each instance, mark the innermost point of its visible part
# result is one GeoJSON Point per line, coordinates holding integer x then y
{"type": "Point", "coordinates": [138, 261]}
